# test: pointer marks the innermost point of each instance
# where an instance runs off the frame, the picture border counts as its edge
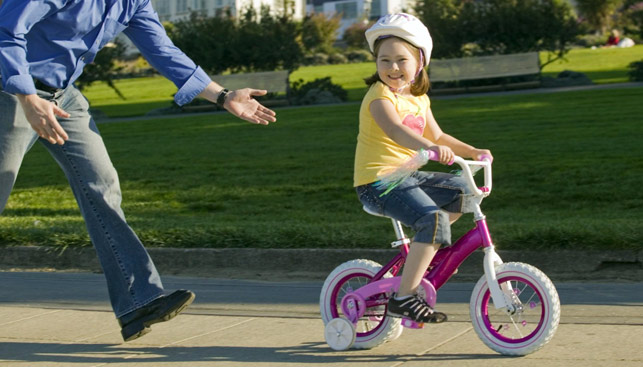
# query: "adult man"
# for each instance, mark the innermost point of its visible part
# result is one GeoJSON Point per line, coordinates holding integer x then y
{"type": "Point", "coordinates": [44, 46]}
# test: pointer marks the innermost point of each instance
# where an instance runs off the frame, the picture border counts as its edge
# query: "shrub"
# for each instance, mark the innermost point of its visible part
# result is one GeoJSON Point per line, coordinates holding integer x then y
{"type": "Point", "coordinates": [104, 68]}
{"type": "Point", "coordinates": [317, 91]}
{"type": "Point", "coordinates": [359, 56]}
{"type": "Point", "coordinates": [636, 71]}
{"type": "Point", "coordinates": [251, 43]}
{"type": "Point", "coordinates": [337, 58]}
{"type": "Point", "coordinates": [354, 35]}
{"type": "Point", "coordinates": [318, 32]}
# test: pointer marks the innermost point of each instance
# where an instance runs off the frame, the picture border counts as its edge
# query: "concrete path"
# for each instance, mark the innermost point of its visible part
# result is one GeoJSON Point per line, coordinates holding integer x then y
{"type": "Point", "coordinates": [63, 319]}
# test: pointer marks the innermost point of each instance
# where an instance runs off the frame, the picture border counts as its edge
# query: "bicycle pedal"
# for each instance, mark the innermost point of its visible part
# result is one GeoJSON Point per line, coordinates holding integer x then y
{"type": "Point", "coordinates": [408, 323]}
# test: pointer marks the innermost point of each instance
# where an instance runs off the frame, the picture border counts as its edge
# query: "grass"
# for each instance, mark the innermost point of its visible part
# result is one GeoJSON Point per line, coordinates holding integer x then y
{"type": "Point", "coordinates": [602, 65]}
{"type": "Point", "coordinates": [566, 175]}
{"type": "Point", "coordinates": [144, 94]}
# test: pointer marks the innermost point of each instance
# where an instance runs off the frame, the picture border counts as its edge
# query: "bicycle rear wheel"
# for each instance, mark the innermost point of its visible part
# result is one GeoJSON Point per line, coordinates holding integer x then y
{"type": "Point", "coordinates": [531, 325]}
{"type": "Point", "coordinates": [374, 328]}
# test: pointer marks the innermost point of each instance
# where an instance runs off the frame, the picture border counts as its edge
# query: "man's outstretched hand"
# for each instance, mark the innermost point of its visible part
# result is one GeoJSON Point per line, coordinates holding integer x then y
{"type": "Point", "coordinates": [241, 104]}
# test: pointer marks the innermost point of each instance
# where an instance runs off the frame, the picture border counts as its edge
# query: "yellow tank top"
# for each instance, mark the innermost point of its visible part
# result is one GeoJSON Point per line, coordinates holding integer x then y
{"type": "Point", "coordinates": [376, 153]}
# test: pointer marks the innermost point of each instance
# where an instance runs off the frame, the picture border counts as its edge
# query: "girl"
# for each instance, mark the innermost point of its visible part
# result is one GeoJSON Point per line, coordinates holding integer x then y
{"type": "Point", "coordinates": [395, 120]}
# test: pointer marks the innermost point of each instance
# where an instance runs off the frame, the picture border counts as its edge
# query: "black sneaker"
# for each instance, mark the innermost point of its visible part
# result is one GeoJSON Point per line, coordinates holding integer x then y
{"type": "Point", "coordinates": [414, 308]}
{"type": "Point", "coordinates": [137, 323]}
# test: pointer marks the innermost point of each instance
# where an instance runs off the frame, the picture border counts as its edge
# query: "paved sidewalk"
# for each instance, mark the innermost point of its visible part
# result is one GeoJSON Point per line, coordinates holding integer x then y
{"type": "Point", "coordinates": [63, 319]}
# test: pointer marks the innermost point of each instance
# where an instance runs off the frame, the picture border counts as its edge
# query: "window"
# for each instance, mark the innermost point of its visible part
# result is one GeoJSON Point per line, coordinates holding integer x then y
{"type": "Point", "coordinates": [163, 9]}
{"type": "Point", "coordinates": [347, 9]}
{"type": "Point", "coordinates": [376, 9]}
{"type": "Point", "coordinates": [181, 6]}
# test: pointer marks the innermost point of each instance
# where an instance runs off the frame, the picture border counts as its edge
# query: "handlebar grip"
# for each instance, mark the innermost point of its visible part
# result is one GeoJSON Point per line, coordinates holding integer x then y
{"type": "Point", "coordinates": [486, 157]}
{"type": "Point", "coordinates": [433, 156]}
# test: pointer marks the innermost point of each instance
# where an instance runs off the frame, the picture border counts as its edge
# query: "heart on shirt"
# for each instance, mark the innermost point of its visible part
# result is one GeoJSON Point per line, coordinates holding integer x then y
{"type": "Point", "coordinates": [415, 123]}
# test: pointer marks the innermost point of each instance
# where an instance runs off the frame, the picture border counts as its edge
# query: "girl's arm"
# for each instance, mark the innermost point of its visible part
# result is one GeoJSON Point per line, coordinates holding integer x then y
{"type": "Point", "coordinates": [386, 117]}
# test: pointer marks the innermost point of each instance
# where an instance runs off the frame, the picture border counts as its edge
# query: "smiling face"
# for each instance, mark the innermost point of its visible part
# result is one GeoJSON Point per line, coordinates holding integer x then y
{"type": "Point", "coordinates": [397, 63]}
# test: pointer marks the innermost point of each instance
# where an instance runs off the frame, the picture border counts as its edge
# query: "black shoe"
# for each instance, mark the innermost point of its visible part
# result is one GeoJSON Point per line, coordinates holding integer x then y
{"type": "Point", "coordinates": [137, 323]}
{"type": "Point", "coordinates": [414, 308]}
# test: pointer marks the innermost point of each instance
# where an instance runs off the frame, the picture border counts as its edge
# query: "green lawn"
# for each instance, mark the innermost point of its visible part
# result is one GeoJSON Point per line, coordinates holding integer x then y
{"type": "Point", "coordinates": [144, 94]}
{"type": "Point", "coordinates": [567, 175]}
{"type": "Point", "coordinates": [602, 65]}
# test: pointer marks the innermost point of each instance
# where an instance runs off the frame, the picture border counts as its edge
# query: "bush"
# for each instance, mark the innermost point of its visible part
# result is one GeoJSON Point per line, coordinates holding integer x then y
{"type": "Point", "coordinates": [633, 15]}
{"type": "Point", "coordinates": [104, 67]}
{"type": "Point", "coordinates": [251, 43]}
{"type": "Point", "coordinates": [337, 58]}
{"type": "Point", "coordinates": [318, 33]}
{"type": "Point", "coordinates": [318, 58]}
{"type": "Point", "coordinates": [316, 92]}
{"type": "Point", "coordinates": [354, 35]}
{"type": "Point", "coordinates": [636, 71]}
{"type": "Point", "coordinates": [359, 56]}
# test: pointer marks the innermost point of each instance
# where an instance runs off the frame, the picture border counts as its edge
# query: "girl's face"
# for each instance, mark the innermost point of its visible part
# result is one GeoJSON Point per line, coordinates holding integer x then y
{"type": "Point", "coordinates": [397, 65]}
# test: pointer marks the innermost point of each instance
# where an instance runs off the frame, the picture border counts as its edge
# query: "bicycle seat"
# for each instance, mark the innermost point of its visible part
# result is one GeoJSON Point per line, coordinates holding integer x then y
{"type": "Point", "coordinates": [369, 211]}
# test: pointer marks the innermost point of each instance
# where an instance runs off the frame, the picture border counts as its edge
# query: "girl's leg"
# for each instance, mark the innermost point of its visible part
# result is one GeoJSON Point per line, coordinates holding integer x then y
{"type": "Point", "coordinates": [417, 261]}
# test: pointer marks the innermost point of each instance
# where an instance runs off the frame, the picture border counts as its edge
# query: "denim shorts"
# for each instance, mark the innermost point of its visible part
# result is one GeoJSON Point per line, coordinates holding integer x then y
{"type": "Point", "coordinates": [422, 202]}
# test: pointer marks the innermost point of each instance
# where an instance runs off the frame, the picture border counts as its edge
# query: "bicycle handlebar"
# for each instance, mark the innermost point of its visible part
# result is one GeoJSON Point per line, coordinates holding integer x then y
{"type": "Point", "coordinates": [468, 174]}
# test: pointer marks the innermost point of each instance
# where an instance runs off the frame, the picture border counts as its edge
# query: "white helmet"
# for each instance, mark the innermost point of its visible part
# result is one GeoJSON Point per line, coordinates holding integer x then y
{"type": "Point", "coordinates": [404, 26]}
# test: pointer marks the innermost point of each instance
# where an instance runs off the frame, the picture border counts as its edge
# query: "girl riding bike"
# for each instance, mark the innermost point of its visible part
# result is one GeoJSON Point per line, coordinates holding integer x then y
{"type": "Point", "coordinates": [395, 121]}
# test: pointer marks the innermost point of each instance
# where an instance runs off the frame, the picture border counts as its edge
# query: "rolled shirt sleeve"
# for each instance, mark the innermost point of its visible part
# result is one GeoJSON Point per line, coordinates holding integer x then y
{"type": "Point", "coordinates": [147, 33]}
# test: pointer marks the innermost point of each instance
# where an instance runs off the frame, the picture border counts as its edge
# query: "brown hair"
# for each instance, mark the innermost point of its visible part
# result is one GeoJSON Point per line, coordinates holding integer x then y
{"type": "Point", "coordinates": [421, 84]}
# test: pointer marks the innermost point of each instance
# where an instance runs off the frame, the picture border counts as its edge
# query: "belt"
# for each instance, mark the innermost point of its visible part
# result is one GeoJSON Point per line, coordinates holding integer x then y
{"type": "Point", "coordinates": [45, 88]}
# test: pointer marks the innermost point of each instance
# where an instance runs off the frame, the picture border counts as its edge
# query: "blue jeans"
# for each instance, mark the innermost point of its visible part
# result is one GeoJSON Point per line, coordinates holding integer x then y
{"type": "Point", "coordinates": [421, 202]}
{"type": "Point", "coordinates": [132, 279]}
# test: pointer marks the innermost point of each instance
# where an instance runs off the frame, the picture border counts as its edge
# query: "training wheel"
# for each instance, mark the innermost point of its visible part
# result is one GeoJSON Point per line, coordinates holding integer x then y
{"type": "Point", "coordinates": [339, 334]}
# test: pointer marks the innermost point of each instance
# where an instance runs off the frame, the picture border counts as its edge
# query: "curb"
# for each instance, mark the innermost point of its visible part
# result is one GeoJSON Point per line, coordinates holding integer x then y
{"type": "Point", "coordinates": [212, 262]}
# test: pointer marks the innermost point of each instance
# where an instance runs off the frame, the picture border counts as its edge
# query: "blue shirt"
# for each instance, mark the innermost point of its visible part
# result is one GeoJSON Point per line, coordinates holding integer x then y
{"type": "Point", "coordinates": [53, 40]}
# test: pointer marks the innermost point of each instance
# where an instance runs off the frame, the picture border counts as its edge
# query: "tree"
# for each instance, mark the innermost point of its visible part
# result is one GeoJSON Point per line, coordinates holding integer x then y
{"type": "Point", "coordinates": [104, 67]}
{"type": "Point", "coordinates": [446, 25]}
{"type": "Point", "coordinates": [254, 42]}
{"type": "Point", "coordinates": [269, 42]}
{"type": "Point", "coordinates": [513, 26]}
{"type": "Point", "coordinates": [319, 32]}
{"type": "Point", "coordinates": [499, 26]}
{"type": "Point", "coordinates": [598, 12]}
{"type": "Point", "coordinates": [354, 35]}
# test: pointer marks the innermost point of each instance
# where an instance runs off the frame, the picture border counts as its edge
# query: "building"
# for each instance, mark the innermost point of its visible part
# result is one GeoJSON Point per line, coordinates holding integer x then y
{"type": "Point", "coordinates": [353, 11]}
{"type": "Point", "coordinates": [173, 10]}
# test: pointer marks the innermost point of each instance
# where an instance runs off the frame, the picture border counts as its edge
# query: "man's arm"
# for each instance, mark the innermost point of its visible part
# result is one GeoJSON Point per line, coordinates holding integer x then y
{"type": "Point", "coordinates": [149, 36]}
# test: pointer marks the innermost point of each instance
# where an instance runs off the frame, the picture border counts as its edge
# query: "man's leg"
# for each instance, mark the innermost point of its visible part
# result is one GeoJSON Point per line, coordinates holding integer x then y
{"type": "Point", "coordinates": [16, 137]}
{"type": "Point", "coordinates": [132, 279]}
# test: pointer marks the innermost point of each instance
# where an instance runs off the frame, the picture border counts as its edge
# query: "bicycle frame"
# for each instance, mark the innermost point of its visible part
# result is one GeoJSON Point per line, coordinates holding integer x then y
{"type": "Point", "coordinates": [444, 264]}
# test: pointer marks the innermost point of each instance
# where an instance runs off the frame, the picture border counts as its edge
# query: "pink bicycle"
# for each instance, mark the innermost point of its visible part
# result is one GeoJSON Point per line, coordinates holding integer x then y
{"type": "Point", "coordinates": [514, 307]}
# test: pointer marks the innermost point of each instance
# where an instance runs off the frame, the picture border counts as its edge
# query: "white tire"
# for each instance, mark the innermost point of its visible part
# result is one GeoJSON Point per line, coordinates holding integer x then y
{"type": "Point", "coordinates": [532, 325]}
{"type": "Point", "coordinates": [339, 334]}
{"type": "Point", "coordinates": [374, 328]}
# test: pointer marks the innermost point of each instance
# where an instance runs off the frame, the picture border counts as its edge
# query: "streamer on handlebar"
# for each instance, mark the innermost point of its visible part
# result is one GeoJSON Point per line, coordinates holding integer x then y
{"type": "Point", "coordinates": [401, 173]}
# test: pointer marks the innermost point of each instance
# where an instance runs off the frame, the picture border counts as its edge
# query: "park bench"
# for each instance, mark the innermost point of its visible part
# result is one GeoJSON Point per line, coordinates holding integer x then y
{"type": "Point", "coordinates": [273, 81]}
{"type": "Point", "coordinates": [499, 72]}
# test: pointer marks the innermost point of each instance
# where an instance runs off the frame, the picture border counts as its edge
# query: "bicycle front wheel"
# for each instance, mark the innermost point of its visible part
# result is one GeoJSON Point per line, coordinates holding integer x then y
{"type": "Point", "coordinates": [533, 322]}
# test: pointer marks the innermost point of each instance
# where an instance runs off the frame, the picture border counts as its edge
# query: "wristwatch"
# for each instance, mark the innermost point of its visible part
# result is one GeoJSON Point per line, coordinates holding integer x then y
{"type": "Point", "coordinates": [222, 96]}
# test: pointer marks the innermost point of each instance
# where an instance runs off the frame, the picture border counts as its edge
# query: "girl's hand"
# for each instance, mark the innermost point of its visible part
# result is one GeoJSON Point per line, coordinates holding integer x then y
{"type": "Point", "coordinates": [479, 154]}
{"type": "Point", "coordinates": [445, 153]}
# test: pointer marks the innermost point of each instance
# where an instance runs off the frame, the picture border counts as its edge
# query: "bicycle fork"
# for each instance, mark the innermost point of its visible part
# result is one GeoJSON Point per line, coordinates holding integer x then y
{"type": "Point", "coordinates": [503, 295]}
